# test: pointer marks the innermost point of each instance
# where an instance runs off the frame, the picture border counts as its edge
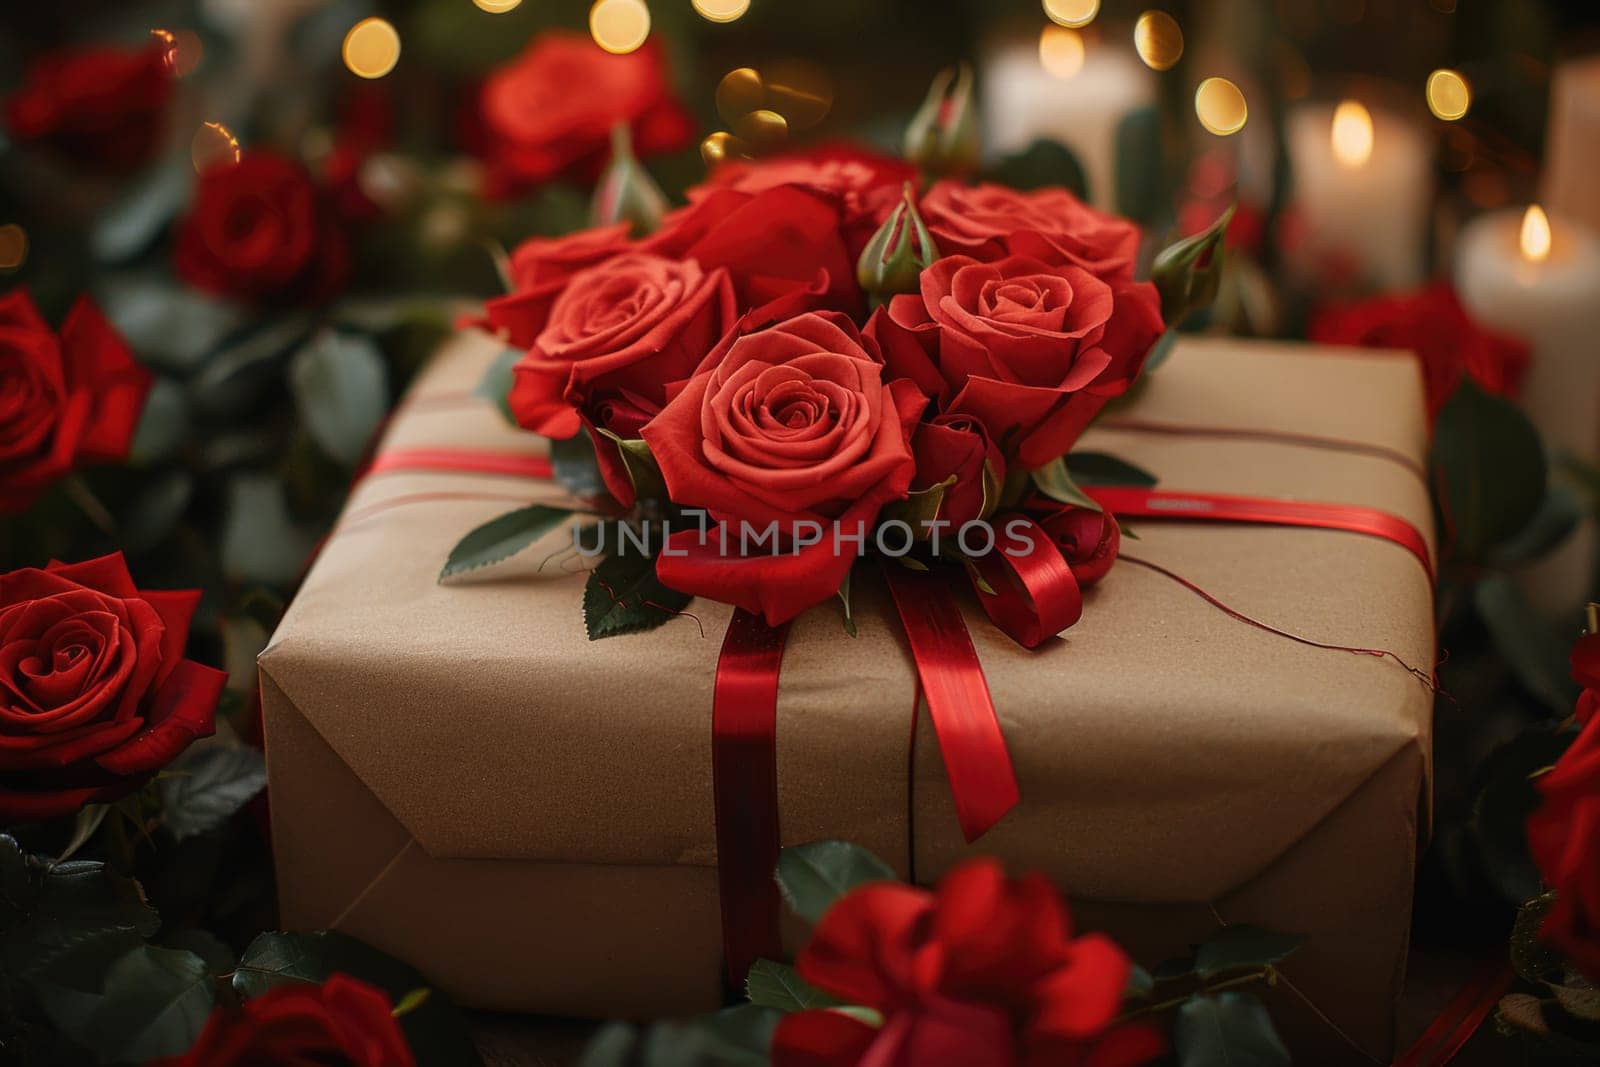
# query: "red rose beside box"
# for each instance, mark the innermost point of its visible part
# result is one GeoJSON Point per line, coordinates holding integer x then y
{"type": "Point", "coordinates": [464, 753]}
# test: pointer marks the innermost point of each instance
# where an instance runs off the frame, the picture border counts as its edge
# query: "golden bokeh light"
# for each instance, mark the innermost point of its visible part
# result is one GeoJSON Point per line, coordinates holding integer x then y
{"type": "Point", "coordinates": [497, 7]}
{"type": "Point", "coordinates": [619, 26]}
{"type": "Point", "coordinates": [1220, 106]}
{"type": "Point", "coordinates": [13, 246]}
{"type": "Point", "coordinates": [1351, 134]}
{"type": "Point", "coordinates": [1534, 239]}
{"type": "Point", "coordinates": [1158, 40]}
{"type": "Point", "coordinates": [213, 143]}
{"type": "Point", "coordinates": [1449, 95]}
{"type": "Point", "coordinates": [1061, 51]}
{"type": "Point", "coordinates": [1072, 13]}
{"type": "Point", "coordinates": [762, 127]}
{"type": "Point", "coordinates": [800, 91]}
{"type": "Point", "coordinates": [721, 10]}
{"type": "Point", "coordinates": [181, 51]}
{"type": "Point", "coordinates": [371, 48]}
{"type": "Point", "coordinates": [722, 146]}
{"type": "Point", "coordinates": [740, 92]}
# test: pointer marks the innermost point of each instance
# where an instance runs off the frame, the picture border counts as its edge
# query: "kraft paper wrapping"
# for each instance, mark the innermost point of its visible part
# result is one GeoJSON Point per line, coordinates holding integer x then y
{"type": "Point", "coordinates": [460, 777]}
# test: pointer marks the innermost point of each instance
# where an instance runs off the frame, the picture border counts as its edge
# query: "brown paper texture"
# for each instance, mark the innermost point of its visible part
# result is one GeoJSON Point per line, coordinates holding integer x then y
{"type": "Point", "coordinates": [459, 776]}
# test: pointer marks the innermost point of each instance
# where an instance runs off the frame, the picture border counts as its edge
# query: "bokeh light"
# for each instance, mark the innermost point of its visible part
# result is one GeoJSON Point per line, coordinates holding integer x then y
{"type": "Point", "coordinates": [1220, 106]}
{"type": "Point", "coordinates": [13, 246]}
{"type": "Point", "coordinates": [1535, 236]}
{"type": "Point", "coordinates": [1061, 51]}
{"type": "Point", "coordinates": [213, 143]}
{"type": "Point", "coordinates": [800, 91]}
{"type": "Point", "coordinates": [181, 51]}
{"type": "Point", "coordinates": [1449, 95]}
{"type": "Point", "coordinates": [762, 127]}
{"type": "Point", "coordinates": [740, 92]}
{"type": "Point", "coordinates": [497, 7]}
{"type": "Point", "coordinates": [1072, 13]}
{"type": "Point", "coordinates": [721, 10]}
{"type": "Point", "coordinates": [619, 26]}
{"type": "Point", "coordinates": [1351, 134]}
{"type": "Point", "coordinates": [721, 146]}
{"type": "Point", "coordinates": [1158, 40]}
{"type": "Point", "coordinates": [371, 48]}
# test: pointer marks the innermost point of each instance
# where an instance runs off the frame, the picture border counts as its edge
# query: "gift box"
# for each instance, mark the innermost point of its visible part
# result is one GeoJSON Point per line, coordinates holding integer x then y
{"type": "Point", "coordinates": [460, 777]}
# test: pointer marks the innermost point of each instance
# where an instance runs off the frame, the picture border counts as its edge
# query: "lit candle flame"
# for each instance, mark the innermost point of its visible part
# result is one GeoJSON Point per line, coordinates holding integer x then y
{"type": "Point", "coordinates": [1352, 134]}
{"type": "Point", "coordinates": [1535, 237]}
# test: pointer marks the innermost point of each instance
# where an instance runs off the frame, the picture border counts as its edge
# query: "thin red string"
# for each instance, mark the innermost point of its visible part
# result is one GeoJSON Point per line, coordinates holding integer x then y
{"type": "Point", "coordinates": [1303, 440]}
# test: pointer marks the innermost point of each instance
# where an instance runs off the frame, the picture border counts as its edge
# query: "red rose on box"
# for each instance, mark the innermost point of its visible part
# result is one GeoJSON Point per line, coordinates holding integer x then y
{"type": "Point", "coordinates": [792, 425]}
{"type": "Point", "coordinates": [985, 970]}
{"type": "Point", "coordinates": [95, 695]}
{"type": "Point", "coordinates": [551, 109]}
{"type": "Point", "coordinates": [783, 230]}
{"type": "Point", "coordinates": [1564, 840]}
{"type": "Point", "coordinates": [957, 446]}
{"type": "Point", "coordinates": [1031, 350]}
{"type": "Point", "coordinates": [1088, 540]}
{"type": "Point", "coordinates": [101, 106]}
{"type": "Point", "coordinates": [540, 269]}
{"type": "Point", "coordinates": [609, 343]}
{"type": "Point", "coordinates": [341, 1021]}
{"type": "Point", "coordinates": [65, 399]}
{"type": "Point", "coordinates": [1432, 323]}
{"type": "Point", "coordinates": [990, 222]}
{"type": "Point", "coordinates": [259, 230]}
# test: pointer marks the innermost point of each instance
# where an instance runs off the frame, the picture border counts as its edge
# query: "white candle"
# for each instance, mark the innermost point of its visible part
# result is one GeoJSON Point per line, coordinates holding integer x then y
{"type": "Point", "coordinates": [1538, 279]}
{"type": "Point", "coordinates": [1067, 88]}
{"type": "Point", "coordinates": [1362, 186]}
{"type": "Point", "coordinates": [1572, 152]}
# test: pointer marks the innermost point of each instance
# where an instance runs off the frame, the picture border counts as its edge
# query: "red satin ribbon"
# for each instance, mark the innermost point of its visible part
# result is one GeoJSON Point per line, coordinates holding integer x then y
{"type": "Point", "coordinates": [1034, 594]}
{"type": "Point", "coordinates": [744, 783]}
{"type": "Point", "coordinates": [462, 460]}
{"type": "Point", "coordinates": [1455, 1024]}
{"type": "Point", "coordinates": [982, 780]}
{"type": "Point", "coordinates": [1218, 507]}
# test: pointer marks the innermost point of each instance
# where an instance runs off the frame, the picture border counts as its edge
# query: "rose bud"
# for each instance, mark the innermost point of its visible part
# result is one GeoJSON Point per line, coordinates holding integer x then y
{"type": "Point", "coordinates": [942, 138]}
{"type": "Point", "coordinates": [1088, 541]}
{"type": "Point", "coordinates": [893, 260]}
{"type": "Point", "coordinates": [626, 192]}
{"type": "Point", "coordinates": [957, 446]}
{"type": "Point", "coordinates": [1188, 272]}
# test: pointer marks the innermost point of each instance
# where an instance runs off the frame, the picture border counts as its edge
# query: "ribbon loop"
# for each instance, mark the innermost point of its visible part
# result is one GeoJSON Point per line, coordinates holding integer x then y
{"type": "Point", "coordinates": [1034, 594]}
{"type": "Point", "coordinates": [975, 756]}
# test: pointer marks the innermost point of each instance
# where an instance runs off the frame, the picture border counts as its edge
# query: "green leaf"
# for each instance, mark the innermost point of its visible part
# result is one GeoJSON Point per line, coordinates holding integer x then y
{"type": "Point", "coordinates": [411, 1002]}
{"type": "Point", "coordinates": [261, 542]}
{"type": "Point", "coordinates": [133, 223]}
{"type": "Point", "coordinates": [495, 385]}
{"type": "Point", "coordinates": [1141, 983]}
{"type": "Point", "coordinates": [501, 538]}
{"type": "Point", "coordinates": [641, 466]}
{"type": "Point", "coordinates": [220, 959]}
{"type": "Point", "coordinates": [814, 875]}
{"type": "Point", "coordinates": [163, 424]}
{"type": "Point", "coordinates": [238, 376]}
{"type": "Point", "coordinates": [733, 1037]}
{"type": "Point", "coordinates": [436, 1030]}
{"type": "Point", "coordinates": [575, 466]}
{"type": "Point", "coordinates": [1042, 163]}
{"type": "Point", "coordinates": [84, 825]}
{"type": "Point", "coordinates": [1535, 654]}
{"type": "Point", "coordinates": [777, 985]}
{"type": "Point", "coordinates": [1502, 805]}
{"type": "Point", "coordinates": [203, 790]}
{"type": "Point", "coordinates": [170, 327]}
{"type": "Point", "coordinates": [611, 1046]}
{"type": "Point", "coordinates": [155, 510]}
{"type": "Point", "coordinates": [1159, 352]}
{"type": "Point", "coordinates": [1558, 515]}
{"type": "Point", "coordinates": [1055, 482]}
{"type": "Point", "coordinates": [1227, 1030]}
{"type": "Point", "coordinates": [1099, 468]}
{"type": "Point", "coordinates": [341, 390]}
{"type": "Point", "coordinates": [1139, 171]}
{"type": "Point", "coordinates": [1188, 273]}
{"type": "Point", "coordinates": [624, 595]}
{"type": "Point", "coordinates": [156, 1002]}
{"type": "Point", "coordinates": [920, 508]}
{"type": "Point", "coordinates": [1243, 947]}
{"type": "Point", "coordinates": [1489, 471]}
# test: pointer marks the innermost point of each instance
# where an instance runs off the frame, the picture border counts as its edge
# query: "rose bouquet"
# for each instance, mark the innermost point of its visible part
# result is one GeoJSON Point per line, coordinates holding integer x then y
{"type": "Point", "coordinates": [822, 357]}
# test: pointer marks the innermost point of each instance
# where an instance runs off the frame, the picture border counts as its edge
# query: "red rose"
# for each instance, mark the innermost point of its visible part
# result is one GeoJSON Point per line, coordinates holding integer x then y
{"type": "Point", "coordinates": [1586, 672]}
{"type": "Point", "coordinates": [1031, 350]}
{"type": "Point", "coordinates": [1564, 840]}
{"type": "Point", "coordinates": [957, 446]}
{"type": "Point", "coordinates": [991, 222]}
{"type": "Point", "coordinates": [984, 972]}
{"type": "Point", "coordinates": [103, 106]}
{"type": "Point", "coordinates": [540, 268]}
{"type": "Point", "coordinates": [551, 109]}
{"type": "Point", "coordinates": [1088, 540]}
{"type": "Point", "coordinates": [64, 400]}
{"type": "Point", "coordinates": [785, 229]}
{"type": "Point", "coordinates": [608, 344]}
{"type": "Point", "coordinates": [95, 695]}
{"type": "Point", "coordinates": [259, 230]}
{"type": "Point", "coordinates": [792, 428]}
{"type": "Point", "coordinates": [342, 1021]}
{"type": "Point", "coordinates": [1432, 323]}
